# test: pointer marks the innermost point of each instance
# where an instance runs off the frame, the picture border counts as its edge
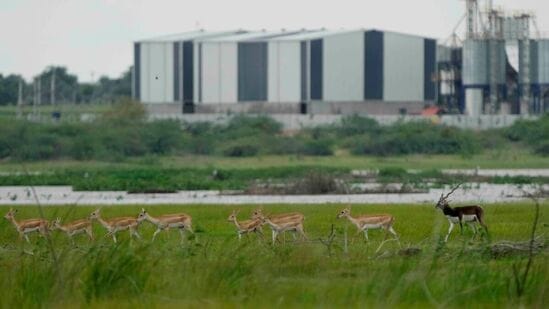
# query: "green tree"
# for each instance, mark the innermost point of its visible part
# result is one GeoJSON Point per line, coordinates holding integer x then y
{"type": "Point", "coordinates": [9, 88]}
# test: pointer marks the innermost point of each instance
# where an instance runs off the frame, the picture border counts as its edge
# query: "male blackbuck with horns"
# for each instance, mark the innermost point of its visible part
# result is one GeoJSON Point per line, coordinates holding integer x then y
{"type": "Point", "coordinates": [115, 225]}
{"type": "Point", "coordinates": [180, 221]}
{"type": "Point", "coordinates": [246, 226]}
{"type": "Point", "coordinates": [282, 222]}
{"type": "Point", "coordinates": [27, 226]}
{"type": "Point", "coordinates": [469, 214]}
{"type": "Point", "coordinates": [370, 222]}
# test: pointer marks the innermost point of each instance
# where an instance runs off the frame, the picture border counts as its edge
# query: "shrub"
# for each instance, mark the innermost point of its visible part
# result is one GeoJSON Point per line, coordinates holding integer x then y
{"type": "Point", "coordinates": [542, 148]}
{"type": "Point", "coordinates": [245, 147]}
{"type": "Point", "coordinates": [357, 125]}
{"type": "Point", "coordinates": [163, 136]}
{"type": "Point", "coordinates": [317, 148]}
{"type": "Point", "coordinates": [245, 125]}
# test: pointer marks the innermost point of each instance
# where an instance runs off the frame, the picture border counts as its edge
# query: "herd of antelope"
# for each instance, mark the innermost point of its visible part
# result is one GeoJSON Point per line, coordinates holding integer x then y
{"type": "Point", "coordinates": [279, 224]}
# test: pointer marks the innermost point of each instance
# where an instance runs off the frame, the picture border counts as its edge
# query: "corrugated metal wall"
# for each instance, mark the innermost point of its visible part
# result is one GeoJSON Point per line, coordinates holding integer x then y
{"type": "Point", "coordinates": [188, 71]}
{"type": "Point", "coordinates": [403, 67]}
{"type": "Point", "coordinates": [373, 65]}
{"type": "Point", "coordinates": [137, 71]}
{"type": "Point", "coordinates": [252, 71]}
{"type": "Point", "coordinates": [284, 72]}
{"type": "Point", "coordinates": [343, 64]}
{"type": "Point", "coordinates": [157, 73]}
{"type": "Point", "coordinates": [218, 80]}
{"type": "Point", "coordinates": [429, 69]}
{"type": "Point", "coordinates": [340, 67]}
{"type": "Point", "coordinates": [316, 69]}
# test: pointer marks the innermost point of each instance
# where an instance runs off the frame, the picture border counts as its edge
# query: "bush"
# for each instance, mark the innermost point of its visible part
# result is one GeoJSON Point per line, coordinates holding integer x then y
{"type": "Point", "coordinates": [240, 148]}
{"type": "Point", "coordinates": [317, 148]}
{"type": "Point", "coordinates": [418, 137]}
{"type": "Point", "coordinates": [356, 125]}
{"type": "Point", "coordinates": [543, 148]}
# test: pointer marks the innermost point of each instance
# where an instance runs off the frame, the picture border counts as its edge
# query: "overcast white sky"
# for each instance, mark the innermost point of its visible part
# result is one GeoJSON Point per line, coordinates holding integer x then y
{"type": "Point", "coordinates": [95, 36]}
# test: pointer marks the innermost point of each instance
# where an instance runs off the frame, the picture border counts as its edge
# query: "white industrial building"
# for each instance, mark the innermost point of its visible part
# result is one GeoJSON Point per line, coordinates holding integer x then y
{"type": "Point", "coordinates": [319, 71]}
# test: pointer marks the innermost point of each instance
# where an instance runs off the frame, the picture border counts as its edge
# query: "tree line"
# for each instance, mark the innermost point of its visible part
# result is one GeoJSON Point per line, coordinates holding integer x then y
{"type": "Point", "coordinates": [67, 88]}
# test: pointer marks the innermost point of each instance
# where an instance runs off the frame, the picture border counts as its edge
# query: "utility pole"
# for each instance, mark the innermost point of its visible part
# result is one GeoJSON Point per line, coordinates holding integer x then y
{"type": "Point", "coordinates": [20, 98]}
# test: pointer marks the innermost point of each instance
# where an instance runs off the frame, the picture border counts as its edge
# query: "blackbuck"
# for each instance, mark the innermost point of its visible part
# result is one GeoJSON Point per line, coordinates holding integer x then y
{"type": "Point", "coordinates": [282, 222]}
{"type": "Point", "coordinates": [74, 228]}
{"type": "Point", "coordinates": [370, 222]}
{"type": "Point", "coordinates": [471, 215]}
{"type": "Point", "coordinates": [180, 221]}
{"type": "Point", "coordinates": [246, 226]}
{"type": "Point", "coordinates": [114, 225]}
{"type": "Point", "coordinates": [27, 226]}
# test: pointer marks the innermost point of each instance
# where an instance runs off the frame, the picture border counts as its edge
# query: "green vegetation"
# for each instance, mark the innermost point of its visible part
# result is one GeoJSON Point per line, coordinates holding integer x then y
{"type": "Point", "coordinates": [533, 133]}
{"type": "Point", "coordinates": [153, 179]}
{"type": "Point", "coordinates": [122, 132]}
{"type": "Point", "coordinates": [214, 270]}
{"type": "Point", "coordinates": [67, 88]}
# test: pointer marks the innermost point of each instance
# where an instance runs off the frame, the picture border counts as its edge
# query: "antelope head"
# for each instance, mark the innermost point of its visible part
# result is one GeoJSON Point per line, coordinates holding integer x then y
{"type": "Point", "coordinates": [232, 217]}
{"type": "Point", "coordinates": [258, 214]}
{"type": "Point", "coordinates": [142, 215]}
{"type": "Point", "coordinates": [11, 214]}
{"type": "Point", "coordinates": [344, 213]}
{"type": "Point", "coordinates": [443, 200]}
{"type": "Point", "coordinates": [96, 214]}
{"type": "Point", "coordinates": [56, 223]}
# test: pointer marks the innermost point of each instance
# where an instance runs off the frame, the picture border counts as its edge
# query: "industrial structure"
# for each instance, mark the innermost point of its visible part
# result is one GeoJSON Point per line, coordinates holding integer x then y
{"type": "Point", "coordinates": [350, 71]}
{"type": "Point", "coordinates": [500, 67]}
{"type": "Point", "coordinates": [320, 71]}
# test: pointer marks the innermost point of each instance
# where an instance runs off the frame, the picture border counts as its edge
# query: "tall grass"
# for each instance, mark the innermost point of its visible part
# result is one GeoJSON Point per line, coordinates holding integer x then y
{"type": "Point", "coordinates": [216, 270]}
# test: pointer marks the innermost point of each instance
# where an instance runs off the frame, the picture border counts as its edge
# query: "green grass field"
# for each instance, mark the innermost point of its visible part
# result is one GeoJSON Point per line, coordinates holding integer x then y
{"type": "Point", "coordinates": [214, 270]}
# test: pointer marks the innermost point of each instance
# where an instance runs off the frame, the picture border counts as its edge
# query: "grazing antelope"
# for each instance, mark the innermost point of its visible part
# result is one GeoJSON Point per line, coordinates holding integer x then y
{"type": "Point", "coordinates": [282, 222]}
{"type": "Point", "coordinates": [246, 226]}
{"type": "Point", "coordinates": [370, 222]}
{"type": "Point", "coordinates": [115, 225]}
{"type": "Point", "coordinates": [27, 226]}
{"type": "Point", "coordinates": [468, 214]}
{"type": "Point", "coordinates": [74, 227]}
{"type": "Point", "coordinates": [181, 221]}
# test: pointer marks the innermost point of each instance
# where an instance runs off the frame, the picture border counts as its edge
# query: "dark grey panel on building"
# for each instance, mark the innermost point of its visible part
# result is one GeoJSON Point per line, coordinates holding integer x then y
{"type": "Point", "coordinates": [188, 72]}
{"type": "Point", "coordinates": [316, 69]}
{"type": "Point", "coordinates": [303, 71]}
{"type": "Point", "coordinates": [252, 71]}
{"type": "Point", "coordinates": [199, 72]}
{"type": "Point", "coordinates": [176, 66]}
{"type": "Point", "coordinates": [137, 70]}
{"type": "Point", "coordinates": [429, 63]}
{"type": "Point", "coordinates": [373, 65]}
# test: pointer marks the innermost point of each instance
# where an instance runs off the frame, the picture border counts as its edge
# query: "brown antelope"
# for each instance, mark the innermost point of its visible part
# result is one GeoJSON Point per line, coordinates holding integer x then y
{"type": "Point", "coordinates": [27, 226]}
{"type": "Point", "coordinates": [469, 214]}
{"type": "Point", "coordinates": [246, 226]}
{"type": "Point", "coordinates": [74, 227]}
{"type": "Point", "coordinates": [115, 225]}
{"type": "Point", "coordinates": [370, 222]}
{"type": "Point", "coordinates": [282, 222]}
{"type": "Point", "coordinates": [181, 221]}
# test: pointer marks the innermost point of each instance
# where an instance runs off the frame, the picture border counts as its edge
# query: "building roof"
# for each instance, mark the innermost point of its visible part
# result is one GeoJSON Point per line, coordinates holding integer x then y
{"type": "Point", "coordinates": [313, 34]}
{"type": "Point", "coordinates": [253, 36]}
{"type": "Point", "coordinates": [244, 35]}
{"type": "Point", "coordinates": [191, 35]}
